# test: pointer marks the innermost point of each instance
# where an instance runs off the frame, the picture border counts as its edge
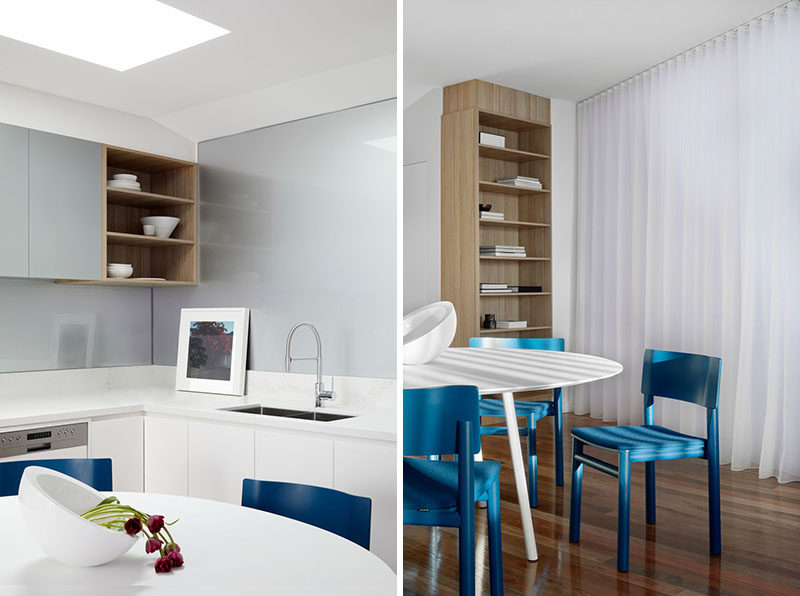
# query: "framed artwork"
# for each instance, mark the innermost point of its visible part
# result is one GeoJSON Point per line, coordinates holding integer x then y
{"type": "Point", "coordinates": [212, 350]}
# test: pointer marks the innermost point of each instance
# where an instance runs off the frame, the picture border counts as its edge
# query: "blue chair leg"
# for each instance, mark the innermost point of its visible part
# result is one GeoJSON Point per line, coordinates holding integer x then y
{"type": "Point", "coordinates": [466, 554]}
{"type": "Point", "coordinates": [650, 491]}
{"type": "Point", "coordinates": [533, 466]}
{"type": "Point", "coordinates": [624, 511]}
{"type": "Point", "coordinates": [495, 541]}
{"type": "Point", "coordinates": [558, 434]}
{"type": "Point", "coordinates": [575, 498]}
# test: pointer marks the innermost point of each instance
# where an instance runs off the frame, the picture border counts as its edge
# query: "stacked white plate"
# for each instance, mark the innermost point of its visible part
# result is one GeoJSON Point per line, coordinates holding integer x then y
{"type": "Point", "coordinates": [126, 181]}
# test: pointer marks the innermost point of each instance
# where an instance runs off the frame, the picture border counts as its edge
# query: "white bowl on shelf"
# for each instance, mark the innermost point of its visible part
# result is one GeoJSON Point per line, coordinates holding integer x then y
{"type": "Point", "coordinates": [428, 331]}
{"type": "Point", "coordinates": [119, 270]}
{"type": "Point", "coordinates": [165, 225]}
{"type": "Point", "coordinates": [128, 177]}
{"type": "Point", "coordinates": [51, 504]}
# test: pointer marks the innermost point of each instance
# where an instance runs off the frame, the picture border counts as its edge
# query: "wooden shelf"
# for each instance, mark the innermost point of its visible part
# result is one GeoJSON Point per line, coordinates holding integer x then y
{"type": "Point", "coordinates": [508, 122]}
{"type": "Point", "coordinates": [492, 331]}
{"type": "Point", "coordinates": [505, 223]}
{"type": "Point", "coordinates": [488, 258]}
{"type": "Point", "coordinates": [145, 200]}
{"type": "Point", "coordinates": [138, 283]}
{"type": "Point", "coordinates": [513, 294]}
{"type": "Point", "coordinates": [507, 189]}
{"type": "Point", "coordinates": [505, 154]}
{"type": "Point", "coordinates": [144, 162]}
{"type": "Point", "coordinates": [142, 240]}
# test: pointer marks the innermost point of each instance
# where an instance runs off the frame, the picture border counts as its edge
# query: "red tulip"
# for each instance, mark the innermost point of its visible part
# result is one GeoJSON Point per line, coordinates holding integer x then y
{"type": "Point", "coordinates": [133, 526]}
{"type": "Point", "coordinates": [152, 545]}
{"type": "Point", "coordinates": [176, 558]}
{"type": "Point", "coordinates": [155, 523]}
{"type": "Point", "coordinates": [172, 548]}
{"type": "Point", "coordinates": [163, 565]}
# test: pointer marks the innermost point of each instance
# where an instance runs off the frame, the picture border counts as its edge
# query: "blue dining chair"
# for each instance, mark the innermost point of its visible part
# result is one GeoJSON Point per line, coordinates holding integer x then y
{"type": "Point", "coordinates": [531, 410]}
{"type": "Point", "coordinates": [346, 515]}
{"type": "Point", "coordinates": [675, 375]}
{"type": "Point", "coordinates": [94, 472]}
{"type": "Point", "coordinates": [442, 421]}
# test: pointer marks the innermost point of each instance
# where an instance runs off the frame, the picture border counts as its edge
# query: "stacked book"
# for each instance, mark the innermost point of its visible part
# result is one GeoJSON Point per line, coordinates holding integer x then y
{"type": "Point", "coordinates": [512, 324]}
{"type": "Point", "coordinates": [495, 289]}
{"type": "Point", "coordinates": [493, 215]}
{"type": "Point", "coordinates": [521, 181]}
{"type": "Point", "coordinates": [525, 289]}
{"type": "Point", "coordinates": [501, 250]}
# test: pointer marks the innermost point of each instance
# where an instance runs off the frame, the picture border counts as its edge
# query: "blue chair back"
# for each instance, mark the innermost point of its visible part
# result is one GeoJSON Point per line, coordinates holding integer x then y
{"type": "Point", "coordinates": [343, 514]}
{"type": "Point", "coordinates": [430, 416]}
{"type": "Point", "coordinates": [691, 378]}
{"type": "Point", "coordinates": [555, 344]}
{"type": "Point", "coordinates": [94, 472]}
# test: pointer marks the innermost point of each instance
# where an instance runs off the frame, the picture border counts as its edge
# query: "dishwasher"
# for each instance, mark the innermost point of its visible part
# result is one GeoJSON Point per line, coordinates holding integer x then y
{"type": "Point", "coordinates": [48, 442]}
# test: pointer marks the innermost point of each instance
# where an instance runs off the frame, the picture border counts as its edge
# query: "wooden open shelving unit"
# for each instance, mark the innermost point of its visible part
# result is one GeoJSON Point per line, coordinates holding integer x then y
{"type": "Point", "coordinates": [469, 171]}
{"type": "Point", "coordinates": [169, 187]}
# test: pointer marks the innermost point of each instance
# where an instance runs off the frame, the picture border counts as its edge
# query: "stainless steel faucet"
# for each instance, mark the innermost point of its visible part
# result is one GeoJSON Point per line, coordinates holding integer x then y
{"type": "Point", "coordinates": [319, 387]}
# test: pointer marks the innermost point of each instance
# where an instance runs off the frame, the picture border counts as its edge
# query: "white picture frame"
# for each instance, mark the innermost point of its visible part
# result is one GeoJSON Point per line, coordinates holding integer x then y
{"type": "Point", "coordinates": [212, 350]}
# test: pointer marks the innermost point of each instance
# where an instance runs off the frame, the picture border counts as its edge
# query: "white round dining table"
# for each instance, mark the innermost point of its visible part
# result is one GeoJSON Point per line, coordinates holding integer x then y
{"type": "Point", "coordinates": [507, 371]}
{"type": "Point", "coordinates": [227, 549]}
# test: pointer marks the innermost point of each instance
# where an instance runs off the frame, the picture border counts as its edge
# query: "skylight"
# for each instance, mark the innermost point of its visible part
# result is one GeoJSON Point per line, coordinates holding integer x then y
{"type": "Point", "coordinates": [118, 34]}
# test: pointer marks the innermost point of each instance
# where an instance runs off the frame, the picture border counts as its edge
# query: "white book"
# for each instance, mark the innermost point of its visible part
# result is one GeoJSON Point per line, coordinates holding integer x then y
{"type": "Point", "coordinates": [522, 184]}
{"type": "Point", "coordinates": [495, 291]}
{"type": "Point", "coordinates": [502, 247]}
{"type": "Point", "coordinates": [487, 138]}
{"type": "Point", "coordinates": [494, 286]}
{"type": "Point", "coordinates": [523, 178]}
{"type": "Point", "coordinates": [490, 215]}
{"type": "Point", "coordinates": [511, 324]}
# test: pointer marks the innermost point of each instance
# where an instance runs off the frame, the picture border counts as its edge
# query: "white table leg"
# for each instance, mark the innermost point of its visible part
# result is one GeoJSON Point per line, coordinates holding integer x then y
{"type": "Point", "coordinates": [519, 477]}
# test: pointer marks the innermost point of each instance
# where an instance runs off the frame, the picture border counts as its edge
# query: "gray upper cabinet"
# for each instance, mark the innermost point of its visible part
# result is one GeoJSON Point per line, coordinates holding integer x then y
{"type": "Point", "coordinates": [65, 207]}
{"type": "Point", "coordinates": [14, 201]}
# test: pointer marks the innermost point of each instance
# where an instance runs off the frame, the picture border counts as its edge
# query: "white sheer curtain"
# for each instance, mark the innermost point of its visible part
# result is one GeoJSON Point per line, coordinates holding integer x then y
{"type": "Point", "coordinates": [689, 236]}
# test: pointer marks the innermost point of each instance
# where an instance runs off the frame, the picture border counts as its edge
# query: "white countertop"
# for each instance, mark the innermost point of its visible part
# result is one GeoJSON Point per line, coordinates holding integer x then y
{"type": "Point", "coordinates": [65, 401]}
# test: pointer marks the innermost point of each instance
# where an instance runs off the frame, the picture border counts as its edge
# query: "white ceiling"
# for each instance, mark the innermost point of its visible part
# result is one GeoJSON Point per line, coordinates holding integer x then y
{"type": "Point", "coordinates": [565, 49]}
{"type": "Point", "coordinates": [271, 42]}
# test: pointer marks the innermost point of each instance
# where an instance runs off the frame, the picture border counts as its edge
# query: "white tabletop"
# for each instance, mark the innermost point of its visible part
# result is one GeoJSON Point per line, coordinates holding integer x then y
{"type": "Point", "coordinates": [500, 370]}
{"type": "Point", "coordinates": [228, 549]}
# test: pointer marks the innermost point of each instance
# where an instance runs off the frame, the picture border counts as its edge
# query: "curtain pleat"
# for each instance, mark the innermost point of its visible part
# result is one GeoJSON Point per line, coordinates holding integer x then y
{"type": "Point", "coordinates": [689, 236]}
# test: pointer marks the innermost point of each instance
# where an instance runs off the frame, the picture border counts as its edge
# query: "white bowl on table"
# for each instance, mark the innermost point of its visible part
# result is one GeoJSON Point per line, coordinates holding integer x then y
{"type": "Point", "coordinates": [428, 331]}
{"type": "Point", "coordinates": [164, 224]}
{"type": "Point", "coordinates": [52, 503]}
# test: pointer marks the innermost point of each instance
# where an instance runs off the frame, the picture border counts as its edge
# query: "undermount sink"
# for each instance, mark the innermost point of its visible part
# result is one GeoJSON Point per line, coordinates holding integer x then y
{"type": "Point", "coordinates": [285, 413]}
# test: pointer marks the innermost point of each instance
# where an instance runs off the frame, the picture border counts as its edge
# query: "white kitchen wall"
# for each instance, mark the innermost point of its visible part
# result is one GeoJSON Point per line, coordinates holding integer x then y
{"type": "Point", "coordinates": [34, 109]}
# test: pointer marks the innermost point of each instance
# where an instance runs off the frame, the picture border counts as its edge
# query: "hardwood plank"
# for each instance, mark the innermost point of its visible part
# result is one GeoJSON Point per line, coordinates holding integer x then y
{"type": "Point", "coordinates": [137, 198]}
{"type": "Point", "coordinates": [506, 154]}
{"type": "Point", "coordinates": [505, 223]}
{"type": "Point", "coordinates": [142, 240]}
{"type": "Point", "coordinates": [507, 189]}
{"type": "Point", "coordinates": [760, 529]}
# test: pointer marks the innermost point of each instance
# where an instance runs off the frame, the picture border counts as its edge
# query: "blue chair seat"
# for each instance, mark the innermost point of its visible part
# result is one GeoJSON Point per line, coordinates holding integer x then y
{"type": "Point", "coordinates": [434, 484]}
{"type": "Point", "coordinates": [494, 407]}
{"type": "Point", "coordinates": [630, 438]}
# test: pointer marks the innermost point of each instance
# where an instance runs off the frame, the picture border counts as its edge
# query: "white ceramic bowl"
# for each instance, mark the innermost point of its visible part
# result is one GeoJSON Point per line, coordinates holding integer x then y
{"type": "Point", "coordinates": [129, 177]}
{"type": "Point", "coordinates": [164, 225]}
{"type": "Point", "coordinates": [119, 270]}
{"type": "Point", "coordinates": [51, 504]}
{"type": "Point", "coordinates": [427, 332]}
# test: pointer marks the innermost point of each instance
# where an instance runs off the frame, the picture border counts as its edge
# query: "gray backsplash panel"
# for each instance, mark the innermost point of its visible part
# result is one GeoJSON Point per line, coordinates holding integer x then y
{"type": "Point", "coordinates": [52, 326]}
{"type": "Point", "coordinates": [298, 222]}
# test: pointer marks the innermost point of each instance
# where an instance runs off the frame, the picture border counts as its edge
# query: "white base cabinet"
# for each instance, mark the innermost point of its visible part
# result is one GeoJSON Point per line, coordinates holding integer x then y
{"type": "Point", "coordinates": [369, 470]}
{"type": "Point", "coordinates": [121, 439]}
{"type": "Point", "coordinates": [286, 457]}
{"type": "Point", "coordinates": [165, 455]}
{"type": "Point", "coordinates": [220, 457]}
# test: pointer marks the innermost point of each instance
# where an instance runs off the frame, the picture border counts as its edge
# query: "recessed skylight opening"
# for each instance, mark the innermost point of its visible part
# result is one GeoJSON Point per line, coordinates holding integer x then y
{"type": "Point", "coordinates": [118, 34]}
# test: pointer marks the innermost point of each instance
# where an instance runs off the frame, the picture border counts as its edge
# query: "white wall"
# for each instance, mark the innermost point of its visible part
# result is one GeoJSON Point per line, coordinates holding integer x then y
{"type": "Point", "coordinates": [421, 205]}
{"type": "Point", "coordinates": [50, 113]}
{"type": "Point", "coordinates": [421, 214]}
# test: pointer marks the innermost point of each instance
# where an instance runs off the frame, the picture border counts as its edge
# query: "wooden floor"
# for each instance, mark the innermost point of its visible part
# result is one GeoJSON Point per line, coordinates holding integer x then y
{"type": "Point", "coordinates": [760, 534]}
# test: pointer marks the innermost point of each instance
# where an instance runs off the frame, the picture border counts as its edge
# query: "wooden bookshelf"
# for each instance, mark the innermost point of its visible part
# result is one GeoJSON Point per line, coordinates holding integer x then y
{"type": "Point", "coordinates": [169, 187]}
{"type": "Point", "coordinates": [469, 174]}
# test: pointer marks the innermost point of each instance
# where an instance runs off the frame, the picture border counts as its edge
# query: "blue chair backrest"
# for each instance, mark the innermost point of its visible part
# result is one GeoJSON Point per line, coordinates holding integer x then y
{"type": "Point", "coordinates": [94, 472]}
{"type": "Point", "coordinates": [555, 344]}
{"type": "Point", "coordinates": [430, 418]}
{"type": "Point", "coordinates": [687, 377]}
{"type": "Point", "coordinates": [343, 514]}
